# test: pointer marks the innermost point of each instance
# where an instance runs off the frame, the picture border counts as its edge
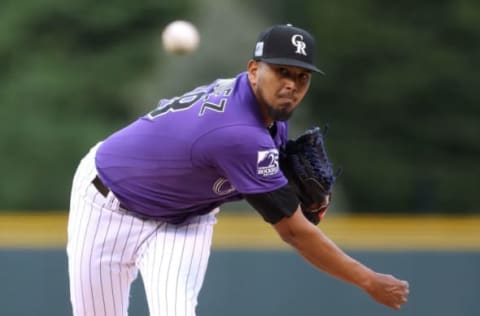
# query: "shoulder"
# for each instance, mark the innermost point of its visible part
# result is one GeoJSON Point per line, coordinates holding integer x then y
{"type": "Point", "coordinates": [237, 135]}
{"type": "Point", "coordinates": [234, 142]}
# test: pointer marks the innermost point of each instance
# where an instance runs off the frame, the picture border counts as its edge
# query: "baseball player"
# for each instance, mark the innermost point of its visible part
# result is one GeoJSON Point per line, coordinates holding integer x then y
{"type": "Point", "coordinates": [145, 198]}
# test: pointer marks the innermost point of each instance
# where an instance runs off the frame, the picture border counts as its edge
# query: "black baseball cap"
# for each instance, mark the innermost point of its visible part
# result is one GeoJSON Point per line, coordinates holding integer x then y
{"type": "Point", "coordinates": [285, 44]}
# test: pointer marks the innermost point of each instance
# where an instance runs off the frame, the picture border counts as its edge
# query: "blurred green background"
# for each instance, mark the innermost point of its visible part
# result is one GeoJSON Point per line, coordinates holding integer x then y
{"type": "Point", "coordinates": [400, 96]}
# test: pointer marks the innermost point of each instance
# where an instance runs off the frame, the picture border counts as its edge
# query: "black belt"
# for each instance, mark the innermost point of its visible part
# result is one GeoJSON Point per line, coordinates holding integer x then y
{"type": "Point", "coordinates": [102, 188]}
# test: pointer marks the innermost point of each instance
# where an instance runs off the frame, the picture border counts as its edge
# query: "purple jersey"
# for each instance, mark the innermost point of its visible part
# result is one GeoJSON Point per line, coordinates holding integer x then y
{"type": "Point", "coordinates": [193, 153]}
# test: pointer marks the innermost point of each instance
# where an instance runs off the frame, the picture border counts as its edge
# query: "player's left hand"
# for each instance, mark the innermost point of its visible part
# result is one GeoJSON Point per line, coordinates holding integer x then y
{"type": "Point", "coordinates": [305, 164]}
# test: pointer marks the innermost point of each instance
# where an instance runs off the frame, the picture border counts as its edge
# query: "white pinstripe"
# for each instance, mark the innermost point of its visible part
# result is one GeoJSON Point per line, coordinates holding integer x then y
{"type": "Point", "coordinates": [107, 247]}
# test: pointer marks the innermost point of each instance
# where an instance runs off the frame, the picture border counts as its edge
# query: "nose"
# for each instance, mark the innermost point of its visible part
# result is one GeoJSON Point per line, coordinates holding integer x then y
{"type": "Point", "coordinates": [290, 84]}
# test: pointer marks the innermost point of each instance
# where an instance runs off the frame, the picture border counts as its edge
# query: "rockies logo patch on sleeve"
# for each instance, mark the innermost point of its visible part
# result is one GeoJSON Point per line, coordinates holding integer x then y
{"type": "Point", "coordinates": [267, 162]}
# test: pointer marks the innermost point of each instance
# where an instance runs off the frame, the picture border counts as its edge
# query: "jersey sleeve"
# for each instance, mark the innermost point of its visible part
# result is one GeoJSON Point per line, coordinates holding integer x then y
{"type": "Point", "coordinates": [246, 155]}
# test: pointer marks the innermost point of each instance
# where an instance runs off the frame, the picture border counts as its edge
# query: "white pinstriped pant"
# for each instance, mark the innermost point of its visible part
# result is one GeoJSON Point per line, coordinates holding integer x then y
{"type": "Point", "coordinates": [107, 247]}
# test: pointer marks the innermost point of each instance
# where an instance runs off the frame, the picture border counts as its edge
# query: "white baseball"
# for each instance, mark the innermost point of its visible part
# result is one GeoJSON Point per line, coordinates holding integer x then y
{"type": "Point", "coordinates": [180, 37]}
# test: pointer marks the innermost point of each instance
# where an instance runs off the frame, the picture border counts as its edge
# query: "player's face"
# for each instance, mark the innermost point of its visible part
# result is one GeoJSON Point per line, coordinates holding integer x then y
{"type": "Point", "coordinates": [278, 88]}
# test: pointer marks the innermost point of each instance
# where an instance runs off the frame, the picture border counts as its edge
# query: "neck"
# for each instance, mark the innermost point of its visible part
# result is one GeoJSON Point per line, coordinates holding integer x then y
{"type": "Point", "coordinates": [267, 120]}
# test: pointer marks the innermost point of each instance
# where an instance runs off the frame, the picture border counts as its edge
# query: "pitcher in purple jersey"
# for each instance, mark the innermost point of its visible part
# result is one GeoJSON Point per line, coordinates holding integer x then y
{"type": "Point", "coordinates": [145, 198]}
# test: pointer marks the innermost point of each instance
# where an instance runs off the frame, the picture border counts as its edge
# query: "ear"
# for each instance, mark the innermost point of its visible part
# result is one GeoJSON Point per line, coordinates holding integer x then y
{"type": "Point", "coordinates": [252, 71]}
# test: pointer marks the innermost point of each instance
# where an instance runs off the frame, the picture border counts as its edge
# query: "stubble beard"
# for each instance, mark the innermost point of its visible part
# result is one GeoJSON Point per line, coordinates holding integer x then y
{"type": "Point", "coordinates": [281, 114]}
{"type": "Point", "coordinates": [275, 114]}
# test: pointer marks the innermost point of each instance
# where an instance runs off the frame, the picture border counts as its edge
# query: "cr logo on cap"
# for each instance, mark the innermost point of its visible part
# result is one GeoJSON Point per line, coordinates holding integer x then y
{"type": "Point", "coordinates": [297, 41]}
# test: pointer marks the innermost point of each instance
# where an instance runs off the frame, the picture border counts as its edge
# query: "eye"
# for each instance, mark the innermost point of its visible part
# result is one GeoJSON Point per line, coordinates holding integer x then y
{"type": "Point", "coordinates": [283, 71]}
{"type": "Point", "coordinates": [304, 77]}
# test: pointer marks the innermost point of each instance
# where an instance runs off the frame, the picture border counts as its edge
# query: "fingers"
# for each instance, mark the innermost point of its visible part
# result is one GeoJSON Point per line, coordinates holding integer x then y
{"type": "Point", "coordinates": [391, 292]}
{"type": "Point", "coordinates": [402, 298]}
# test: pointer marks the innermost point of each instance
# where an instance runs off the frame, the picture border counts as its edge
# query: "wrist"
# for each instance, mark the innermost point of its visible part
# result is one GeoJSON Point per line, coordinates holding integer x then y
{"type": "Point", "coordinates": [366, 279]}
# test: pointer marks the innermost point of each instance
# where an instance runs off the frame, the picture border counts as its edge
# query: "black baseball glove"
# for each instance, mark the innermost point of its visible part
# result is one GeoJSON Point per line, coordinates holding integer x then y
{"type": "Point", "coordinates": [305, 164]}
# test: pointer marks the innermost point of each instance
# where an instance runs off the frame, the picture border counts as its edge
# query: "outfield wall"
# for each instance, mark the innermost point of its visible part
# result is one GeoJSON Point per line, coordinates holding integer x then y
{"type": "Point", "coordinates": [252, 273]}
